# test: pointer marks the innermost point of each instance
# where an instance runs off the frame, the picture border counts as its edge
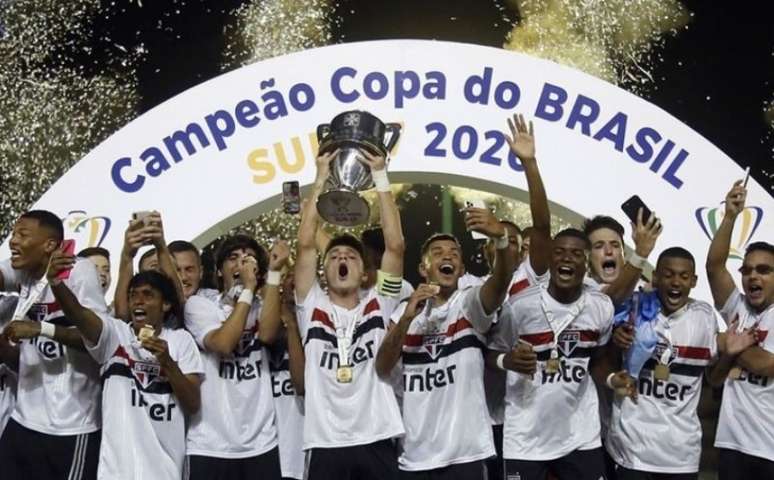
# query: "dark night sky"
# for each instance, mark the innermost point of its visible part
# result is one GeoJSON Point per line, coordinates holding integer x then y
{"type": "Point", "coordinates": [726, 55]}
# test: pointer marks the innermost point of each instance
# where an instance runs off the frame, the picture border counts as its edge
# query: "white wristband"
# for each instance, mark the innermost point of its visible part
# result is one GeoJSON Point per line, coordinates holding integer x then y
{"type": "Point", "coordinates": [273, 277]}
{"type": "Point", "coordinates": [500, 359]}
{"type": "Point", "coordinates": [501, 243]}
{"type": "Point", "coordinates": [609, 381]}
{"type": "Point", "coordinates": [636, 261]}
{"type": "Point", "coordinates": [47, 329]}
{"type": "Point", "coordinates": [381, 181]}
{"type": "Point", "coordinates": [246, 297]}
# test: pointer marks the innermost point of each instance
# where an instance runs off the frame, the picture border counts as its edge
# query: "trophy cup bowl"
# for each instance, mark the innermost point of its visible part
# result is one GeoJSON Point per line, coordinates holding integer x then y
{"type": "Point", "coordinates": [351, 132]}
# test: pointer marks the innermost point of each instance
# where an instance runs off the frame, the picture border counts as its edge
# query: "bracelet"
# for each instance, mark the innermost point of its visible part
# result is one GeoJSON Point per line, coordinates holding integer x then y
{"type": "Point", "coordinates": [246, 297]}
{"type": "Point", "coordinates": [273, 277]}
{"type": "Point", "coordinates": [47, 329]}
{"type": "Point", "coordinates": [609, 381]}
{"type": "Point", "coordinates": [381, 181]}
{"type": "Point", "coordinates": [636, 261]}
{"type": "Point", "coordinates": [500, 359]}
{"type": "Point", "coordinates": [501, 243]}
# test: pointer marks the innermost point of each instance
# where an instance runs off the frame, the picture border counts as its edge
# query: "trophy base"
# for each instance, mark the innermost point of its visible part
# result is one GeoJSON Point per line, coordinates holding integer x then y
{"type": "Point", "coordinates": [343, 208]}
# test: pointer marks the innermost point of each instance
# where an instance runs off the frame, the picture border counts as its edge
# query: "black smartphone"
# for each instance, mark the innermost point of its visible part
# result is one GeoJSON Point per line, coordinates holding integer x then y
{"type": "Point", "coordinates": [632, 206]}
{"type": "Point", "coordinates": [291, 197]}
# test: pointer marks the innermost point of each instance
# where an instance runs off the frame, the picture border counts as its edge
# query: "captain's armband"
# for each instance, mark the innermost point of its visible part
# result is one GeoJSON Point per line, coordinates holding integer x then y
{"type": "Point", "coordinates": [388, 285]}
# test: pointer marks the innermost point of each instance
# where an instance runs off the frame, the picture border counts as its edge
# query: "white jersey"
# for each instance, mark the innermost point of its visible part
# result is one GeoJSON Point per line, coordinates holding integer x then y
{"type": "Point", "coordinates": [661, 433]}
{"type": "Point", "coordinates": [237, 415]}
{"type": "Point", "coordinates": [58, 387]}
{"type": "Point", "coordinates": [143, 434]}
{"type": "Point", "coordinates": [745, 422]}
{"type": "Point", "coordinates": [7, 376]}
{"type": "Point", "coordinates": [469, 280]}
{"type": "Point", "coordinates": [444, 405]}
{"type": "Point", "coordinates": [209, 294]}
{"type": "Point", "coordinates": [289, 409]}
{"type": "Point", "coordinates": [346, 414]}
{"type": "Point", "coordinates": [495, 379]}
{"type": "Point", "coordinates": [551, 415]}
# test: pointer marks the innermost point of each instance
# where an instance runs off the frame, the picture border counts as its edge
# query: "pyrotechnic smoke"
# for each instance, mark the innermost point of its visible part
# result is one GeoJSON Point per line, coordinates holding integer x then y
{"type": "Point", "coordinates": [52, 111]}
{"type": "Point", "coordinates": [270, 28]}
{"type": "Point", "coordinates": [615, 40]}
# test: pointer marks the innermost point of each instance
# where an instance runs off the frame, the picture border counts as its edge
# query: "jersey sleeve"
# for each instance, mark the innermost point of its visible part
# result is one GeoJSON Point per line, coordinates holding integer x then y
{"type": "Point", "coordinates": [606, 313]}
{"type": "Point", "coordinates": [11, 277]}
{"type": "Point", "coordinates": [84, 283]}
{"type": "Point", "coordinates": [474, 310]}
{"type": "Point", "coordinates": [304, 307]}
{"type": "Point", "coordinates": [398, 312]}
{"type": "Point", "coordinates": [729, 310]}
{"type": "Point", "coordinates": [504, 337]}
{"type": "Point", "coordinates": [532, 276]}
{"type": "Point", "coordinates": [108, 341]}
{"type": "Point", "coordinates": [188, 358]}
{"type": "Point", "coordinates": [202, 316]}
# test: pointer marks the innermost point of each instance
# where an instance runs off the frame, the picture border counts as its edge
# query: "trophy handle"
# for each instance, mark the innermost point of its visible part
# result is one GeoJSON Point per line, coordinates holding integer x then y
{"type": "Point", "coordinates": [393, 129]}
{"type": "Point", "coordinates": [323, 130]}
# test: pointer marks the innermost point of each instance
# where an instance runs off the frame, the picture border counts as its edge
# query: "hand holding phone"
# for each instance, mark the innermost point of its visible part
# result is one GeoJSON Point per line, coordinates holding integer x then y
{"type": "Point", "coordinates": [476, 203]}
{"type": "Point", "coordinates": [68, 249]}
{"type": "Point", "coordinates": [632, 206]}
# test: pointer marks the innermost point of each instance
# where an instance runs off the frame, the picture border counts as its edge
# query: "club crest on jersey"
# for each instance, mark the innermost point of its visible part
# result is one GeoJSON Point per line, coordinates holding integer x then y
{"type": "Point", "coordinates": [434, 344]}
{"type": "Point", "coordinates": [660, 348]}
{"type": "Point", "coordinates": [567, 342]}
{"type": "Point", "coordinates": [38, 312]}
{"type": "Point", "coordinates": [146, 373]}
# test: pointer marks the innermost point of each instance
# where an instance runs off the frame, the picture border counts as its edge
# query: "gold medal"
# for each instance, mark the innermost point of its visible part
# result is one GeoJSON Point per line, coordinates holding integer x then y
{"type": "Point", "coordinates": [735, 373]}
{"type": "Point", "coordinates": [661, 372]}
{"type": "Point", "coordinates": [553, 365]}
{"type": "Point", "coordinates": [344, 374]}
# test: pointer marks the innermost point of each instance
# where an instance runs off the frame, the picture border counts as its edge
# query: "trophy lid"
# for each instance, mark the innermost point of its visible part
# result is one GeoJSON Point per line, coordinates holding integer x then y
{"type": "Point", "coordinates": [355, 128]}
{"type": "Point", "coordinates": [343, 207]}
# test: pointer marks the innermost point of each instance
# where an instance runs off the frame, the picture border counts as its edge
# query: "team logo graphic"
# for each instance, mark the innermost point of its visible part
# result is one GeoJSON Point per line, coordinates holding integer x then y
{"type": "Point", "coordinates": [567, 342]}
{"type": "Point", "coordinates": [660, 348]}
{"type": "Point", "coordinates": [146, 373]}
{"type": "Point", "coordinates": [352, 120]}
{"type": "Point", "coordinates": [87, 231]}
{"type": "Point", "coordinates": [709, 220]}
{"type": "Point", "coordinates": [434, 344]}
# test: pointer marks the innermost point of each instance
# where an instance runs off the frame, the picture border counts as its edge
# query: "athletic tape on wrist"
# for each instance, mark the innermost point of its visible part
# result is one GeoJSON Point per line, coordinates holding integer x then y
{"type": "Point", "coordinates": [381, 181]}
{"type": "Point", "coordinates": [636, 261]}
{"type": "Point", "coordinates": [47, 329]}
{"type": "Point", "coordinates": [246, 297]}
{"type": "Point", "coordinates": [273, 277]}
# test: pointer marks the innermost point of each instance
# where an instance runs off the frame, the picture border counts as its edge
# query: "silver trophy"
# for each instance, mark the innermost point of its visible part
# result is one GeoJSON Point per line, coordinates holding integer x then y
{"type": "Point", "coordinates": [351, 132]}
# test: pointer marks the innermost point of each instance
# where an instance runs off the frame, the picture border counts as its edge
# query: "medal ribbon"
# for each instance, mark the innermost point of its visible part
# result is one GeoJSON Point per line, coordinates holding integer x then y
{"type": "Point", "coordinates": [559, 326]}
{"type": "Point", "coordinates": [344, 334]}
{"type": "Point", "coordinates": [28, 296]}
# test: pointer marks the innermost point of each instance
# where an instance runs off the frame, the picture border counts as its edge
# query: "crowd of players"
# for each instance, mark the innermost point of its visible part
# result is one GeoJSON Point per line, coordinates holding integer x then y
{"type": "Point", "coordinates": [558, 364]}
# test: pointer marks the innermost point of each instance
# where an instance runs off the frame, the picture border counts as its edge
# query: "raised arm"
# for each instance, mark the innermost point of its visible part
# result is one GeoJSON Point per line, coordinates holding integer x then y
{"type": "Point", "coordinates": [494, 289]}
{"type": "Point", "coordinates": [522, 143]}
{"type": "Point", "coordinates": [394, 244]}
{"type": "Point", "coordinates": [306, 254]}
{"type": "Point", "coordinates": [88, 323]}
{"type": "Point", "coordinates": [155, 230]}
{"type": "Point", "coordinates": [392, 346]}
{"type": "Point", "coordinates": [720, 280]}
{"type": "Point", "coordinates": [644, 235]}
{"type": "Point", "coordinates": [134, 237]}
{"type": "Point", "coordinates": [224, 339]}
{"type": "Point", "coordinates": [296, 356]}
{"type": "Point", "coordinates": [270, 322]}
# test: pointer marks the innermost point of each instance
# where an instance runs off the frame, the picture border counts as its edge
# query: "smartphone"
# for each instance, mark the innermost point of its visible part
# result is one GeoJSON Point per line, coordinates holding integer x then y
{"type": "Point", "coordinates": [477, 203]}
{"type": "Point", "coordinates": [291, 197]}
{"type": "Point", "coordinates": [746, 177]}
{"type": "Point", "coordinates": [68, 247]}
{"type": "Point", "coordinates": [632, 206]}
{"type": "Point", "coordinates": [143, 215]}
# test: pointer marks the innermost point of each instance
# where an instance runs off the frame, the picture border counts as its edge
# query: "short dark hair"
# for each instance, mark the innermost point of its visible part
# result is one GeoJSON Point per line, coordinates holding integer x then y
{"type": "Point", "coordinates": [602, 221]}
{"type": "Point", "coordinates": [238, 242]}
{"type": "Point", "coordinates": [179, 246]}
{"type": "Point", "coordinates": [162, 283]}
{"type": "Point", "coordinates": [147, 254]}
{"type": "Point", "coordinates": [759, 246]}
{"type": "Point", "coordinates": [48, 221]}
{"type": "Point", "coordinates": [94, 252]}
{"type": "Point", "coordinates": [438, 237]}
{"type": "Point", "coordinates": [346, 240]}
{"type": "Point", "coordinates": [574, 233]}
{"type": "Point", "coordinates": [676, 252]}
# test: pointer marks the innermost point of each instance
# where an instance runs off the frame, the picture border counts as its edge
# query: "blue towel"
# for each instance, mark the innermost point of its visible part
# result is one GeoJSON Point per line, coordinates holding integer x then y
{"type": "Point", "coordinates": [642, 310]}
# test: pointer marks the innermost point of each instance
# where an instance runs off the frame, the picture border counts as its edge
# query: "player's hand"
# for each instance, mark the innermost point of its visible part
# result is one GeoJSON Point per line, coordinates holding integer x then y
{"type": "Point", "coordinates": [623, 336]}
{"type": "Point", "coordinates": [58, 263]}
{"type": "Point", "coordinates": [22, 329]}
{"type": "Point", "coordinates": [374, 162]}
{"type": "Point", "coordinates": [522, 138]}
{"type": "Point", "coordinates": [279, 255]}
{"type": "Point", "coordinates": [248, 272]}
{"type": "Point", "coordinates": [624, 385]}
{"type": "Point", "coordinates": [645, 234]}
{"type": "Point", "coordinates": [735, 199]}
{"type": "Point", "coordinates": [483, 220]}
{"type": "Point", "coordinates": [417, 300]}
{"type": "Point", "coordinates": [159, 348]}
{"type": "Point", "coordinates": [522, 359]}
{"type": "Point", "coordinates": [739, 341]}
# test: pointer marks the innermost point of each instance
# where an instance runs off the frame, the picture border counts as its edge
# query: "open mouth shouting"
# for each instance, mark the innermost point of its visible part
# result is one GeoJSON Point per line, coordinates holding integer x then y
{"type": "Point", "coordinates": [754, 292]}
{"type": "Point", "coordinates": [609, 267]}
{"type": "Point", "coordinates": [565, 273]}
{"type": "Point", "coordinates": [673, 297]}
{"type": "Point", "coordinates": [139, 315]}
{"type": "Point", "coordinates": [343, 271]}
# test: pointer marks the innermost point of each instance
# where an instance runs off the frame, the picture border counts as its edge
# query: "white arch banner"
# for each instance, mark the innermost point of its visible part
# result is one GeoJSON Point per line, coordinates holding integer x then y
{"type": "Point", "coordinates": [217, 154]}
